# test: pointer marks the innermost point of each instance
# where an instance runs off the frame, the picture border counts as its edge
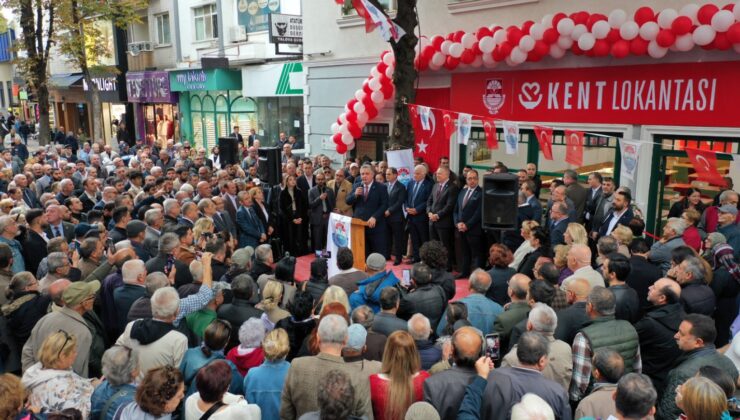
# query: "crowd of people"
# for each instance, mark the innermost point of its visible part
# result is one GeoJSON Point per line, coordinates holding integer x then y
{"type": "Point", "coordinates": [150, 283]}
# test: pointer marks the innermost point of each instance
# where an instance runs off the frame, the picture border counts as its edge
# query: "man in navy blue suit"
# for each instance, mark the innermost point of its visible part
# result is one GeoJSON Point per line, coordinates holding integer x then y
{"type": "Point", "coordinates": [394, 216]}
{"type": "Point", "coordinates": [558, 222]}
{"type": "Point", "coordinates": [370, 201]}
{"type": "Point", "coordinates": [621, 213]}
{"type": "Point", "coordinates": [440, 206]}
{"type": "Point", "coordinates": [416, 207]}
{"type": "Point", "coordinates": [251, 231]}
{"type": "Point", "coordinates": [467, 219]}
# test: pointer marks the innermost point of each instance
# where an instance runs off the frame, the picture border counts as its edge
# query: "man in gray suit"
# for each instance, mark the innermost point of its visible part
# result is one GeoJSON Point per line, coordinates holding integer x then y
{"type": "Point", "coordinates": [576, 192]}
{"type": "Point", "coordinates": [154, 219]}
{"type": "Point", "coordinates": [321, 202]}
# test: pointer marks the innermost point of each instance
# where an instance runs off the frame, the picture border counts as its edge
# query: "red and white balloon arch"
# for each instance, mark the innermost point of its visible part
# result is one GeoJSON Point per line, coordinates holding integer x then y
{"type": "Point", "coordinates": [646, 32]}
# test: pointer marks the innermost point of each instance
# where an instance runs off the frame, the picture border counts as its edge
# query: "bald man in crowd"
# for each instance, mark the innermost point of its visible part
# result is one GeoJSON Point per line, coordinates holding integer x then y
{"type": "Point", "coordinates": [579, 261]}
{"type": "Point", "coordinates": [574, 317]}
{"type": "Point", "coordinates": [516, 311]}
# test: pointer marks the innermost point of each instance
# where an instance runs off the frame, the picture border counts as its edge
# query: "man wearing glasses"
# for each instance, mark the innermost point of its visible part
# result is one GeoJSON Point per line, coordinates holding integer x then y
{"type": "Point", "coordinates": [78, 299]}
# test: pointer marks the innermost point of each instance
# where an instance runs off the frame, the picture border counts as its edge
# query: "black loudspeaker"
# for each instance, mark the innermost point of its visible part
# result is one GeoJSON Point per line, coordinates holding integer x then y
{"type": "Point", "coordinates": [228, 151]}
{"type": "Point", "coordinates": [270, 168]}
{"type": "Point", "coordinates": [500, 201]}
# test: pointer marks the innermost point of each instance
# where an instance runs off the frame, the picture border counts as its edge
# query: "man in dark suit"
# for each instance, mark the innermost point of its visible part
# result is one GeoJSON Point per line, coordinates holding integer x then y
{"type": "Point", "coordinates": [305, 182]}
{"type": "Point", "coordinates": [534, 177]}
{"type": "Point", "coordinates": [320, 202]}
{"type": "Point", "coordinates": [251, 231]}
{"type": "Point", "coordinates": [576, 192]}
{"type": "Point", "coordinates": [528, 188]}
{"type": "Point", "coordinates": [29, 197]}
{"type": "Point", "coordinates": [221, 219]}
{"type": "Point", "coordinates": [394, 216]}
{"type": "Point", "coordinates": [593, 198]}
{"type": "Point", "coordinates": [603, 207]}
{"type": "Point", "coordinates": [440, 206]}
{"type": "Point", "coordinates": [416, 205]}
{"type": "Point", "coordinates": [621, 213]}
{"type": "Point", "coordinates": [56, 226]}
{"type": "Point", "coordinates": [467, 219]}
{"type": "Point", "coordinates": [34, 247]}
{"type": "Point", "coordinates": [370, 201]}
{"type": "Point", "coordinates": [252, 137]}
{"type": "Point", "coordinates": [231, 202]}
{"type": "Point", "coordinates": [643, 273]}
{"type": "Point", "coordinates": [558, 223]}
{"type": "Point", "coordinates": [235, 134]}
{"type": "Point", "coordinates": [513, 238]}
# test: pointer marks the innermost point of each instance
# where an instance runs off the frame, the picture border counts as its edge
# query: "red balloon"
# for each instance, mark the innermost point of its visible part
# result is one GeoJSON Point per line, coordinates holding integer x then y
{"type": "Point", "coordinates": [476, 49]}
{"type": "Point", "coordinates": [730, 7]}
{"type": "Point", "coordinates": [575, 49]}
{"type": "Point", "coordinates": [482, 32]}
{"type": "Point", "coordinates": [534, 56]}
{"type": "Point", "coordinates": [354, 130]}
{"type": "Point", "coordinates": [351, 116]}
{"type": "Point", "coordinates": [644, 14]}
{"type": "Point", "coordinates": [705, 13]}
{"type": "Point", "coordinates": [733, 34]}
{"type": "Point", "coordinates": [526, 26]}
{"type": "Point", "coordinates": [580, 17]}
{"type": "Point", "coordinates": [551, 35]}
{"type": "Point", "coordinates": [451, 63]}
{"type": "Point", "coordinates": [420, 64]}
{"type": "Point", "coordinates": [541, 48]}
{"type": "Point", "coordinates": [514, 34]}
{"type": "Point", "coordinates": [437, 41]}
{"type": "Point", "coordinates": [458, 36]}
{"type": "Point", "coordinates": [601, 48]}
{"type": "Point", "coordinates": [428, 52]}
{"type": "Point", "coordinates": [337, 138]}
{"type": "Point", "coordinates": [665, 38]}
{"type": "Point", "coordinates": [381, 67]}
{"type": "Point", "coordinates": [721, 42]}
{"type": "Point", "coordinates": [366, 87]}
{"type": "Point", "coordinates": [681, 25]}
{"type": "Point", "coordinates": [371, 113]}
{"type": "Point", "coordinates": [613, 35]}
{"type": "Point", "coordinates": [506, 48]}
{"type": "Point", "coordinates": [351, 104]}
{"type": "Point", "coordinates": [638, 46]}
{"type": "Point", "coordinates": [498, 53]}
{"type": "Point", "coordinates": [620, 49]}
{"type": "Point", "coordinates": [341, 148]}
{"type": "Point", "coordinates": [467, 57]}
{"type": "Point", "coordinates": [557, 18]}
{"type": "Point", "coordinates": [387, 91]}
{"type": "Point", "coordinates": [593, 19]}
{"type": "Point", "coordinates": [368, 102]}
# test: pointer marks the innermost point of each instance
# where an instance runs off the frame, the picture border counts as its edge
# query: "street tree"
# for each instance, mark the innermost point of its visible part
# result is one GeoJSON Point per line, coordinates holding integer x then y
{"type": "Point", "coordinates": [87, 42]}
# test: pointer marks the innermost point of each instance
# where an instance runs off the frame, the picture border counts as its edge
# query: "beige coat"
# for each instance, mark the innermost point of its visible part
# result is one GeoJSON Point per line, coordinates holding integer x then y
{"type": "Point", "coordinates": [167, 351]}
{"type": "Point", "coordinates": [599, 404]}
{"type": "Point", "coordinates": [344, 188]}
{"type": "Point", "coordinates": [64, 319]}
{"type": "Point", "coordinates": [560, 366]}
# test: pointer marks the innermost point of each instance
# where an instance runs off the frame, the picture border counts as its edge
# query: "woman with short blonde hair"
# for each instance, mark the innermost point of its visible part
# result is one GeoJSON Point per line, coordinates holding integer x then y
{"type": "Point", "coordinates": [575, 233]}
{"type": "Point", "coordinates": [334, 294]}
{"type": "Point", "coordinates": [263, 385]}
{"type": "Point", "coordinates": [202, 226]}
{"type": "Point", "coordinates": [525, 248]}
{"type": "Point", "coordinates": [700, 399]}
{"type": "Point", "coordinates": [624, 237]}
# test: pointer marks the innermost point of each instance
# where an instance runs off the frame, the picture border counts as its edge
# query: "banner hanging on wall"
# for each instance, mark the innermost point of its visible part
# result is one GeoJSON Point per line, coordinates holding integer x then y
{"type": "Point", "coordinates": [403, 161]}
{"type": "Point", "coordinates": [630, 159]}
{"type": "Point", "coordinates": [339, 235]}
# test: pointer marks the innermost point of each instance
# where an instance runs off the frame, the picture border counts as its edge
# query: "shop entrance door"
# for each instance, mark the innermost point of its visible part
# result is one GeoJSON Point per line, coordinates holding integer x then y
{"type": "Point", "coordinates": [673, 174]}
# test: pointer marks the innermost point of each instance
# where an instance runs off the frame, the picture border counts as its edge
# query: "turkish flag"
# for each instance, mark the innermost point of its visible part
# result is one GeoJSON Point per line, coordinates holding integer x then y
{"type": "Point", "coordinates": [489, 126]}
{"type": "Point", "coordinates": [362, 12]}
{"type": "Point", "coordinates": [431, 143]}
{"type": "Point", "coordinates": [449, 118]}
{"type": "Point", "coordinates": [705, 164]}
{"type": "Point", "coordinates": [574, 147]}
{"type": "Point", "coordinates": [544, 138]}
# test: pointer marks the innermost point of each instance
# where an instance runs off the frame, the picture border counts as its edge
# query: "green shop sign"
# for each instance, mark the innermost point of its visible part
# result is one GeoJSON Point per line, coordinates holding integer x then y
{"type": "Point", "coordinates": [204, 80]}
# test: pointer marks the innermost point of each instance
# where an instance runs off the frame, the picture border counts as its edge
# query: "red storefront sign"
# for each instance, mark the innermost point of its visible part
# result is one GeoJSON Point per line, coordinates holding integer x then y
{"type": "Point", "coordinates": [693, 94]}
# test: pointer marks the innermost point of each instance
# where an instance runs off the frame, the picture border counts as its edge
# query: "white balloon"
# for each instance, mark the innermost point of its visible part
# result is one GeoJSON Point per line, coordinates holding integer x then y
{"type": "Point", "coordinates": [601, 29]}
{"type": "Point", "coordinates": [486, 44]}
{"type": "Point", "coordinates": [684, 42]}
{"type": "Point", "coordinates": [389, 58]}
{"type": "Point", "coordinates": [456, 50]}
{"type": "Point", "coordinates": [343, 129]}
{"type": "Point", "coordinates": [579, 30]}
{"type": "Point", "coordinates": [666, 18]}
{"type": "Point", "coordinates": [546, 21]}
{"type": "Point", "coordinates": [362, 118]}
{"type": "Point", "coordinates": [478, 61]}
{"type": "Point", "coordinates": [347, 138]}
{"type": "Point", "coordinates": [377, 97]}
{"type": "Point", "coordinates": [510, 62]}
{"type": "Point", "coordinates": [374, 83]}
{"type": "Point", "coordinates": [703, 35]}
{"type": "Point", "coordinates": [556, 51]}
{"type": "Point", "coordinates": [526, 44]}
{"type": "Point", "coordinates": [565, 26]}
{"type": "Point", "coordinates": [374, 72]}
{"type": "Point", "coordinates": [343, 120]}
{"type": "Point", "coordinates": [564, 42]}
{"type": "Point", "coordinates": [536, 31]}
{"type": "Point", "coordinates": [499, 36]}
{"type": "Point", "coordinates": [722, 20]}
{"type": "Point", "coordinates": [389, 72]}
{"type": "Point", "coordinates": [351, 146]}
{"type": "Point", "coordinates": [655, 50]}
{"type": "Point", "coordinates": [649, 31]}
{"type": "Point", "coordinates": [334, 128]}
{"type": "Point", "coordinates": [736, 10]}
{"type": "Point", "coordinates": [468, 40]}
{"type": "Point", "coordinates": [586, 41]}
{"type": "Point", "coordinates": [434, 66]}
{"type": "Point", "coordinates": [438, 59]}
{"type": "Point", "coordinates": [445, 47]}
{"type": "Point", "coordinates": [359, 94]}
{"type": "Point", "coordinates": [517, 55]}
{"type": "Point", "coordinates": [690, 10]}
{"type": "Point", "coordinates": [617, 18]}
{"type": "Point", "coordinates": [359, 108]}
{"type": "Point", "coordinates": [629, 30]}
{"type": "Point", "coordinates": [488, 61]}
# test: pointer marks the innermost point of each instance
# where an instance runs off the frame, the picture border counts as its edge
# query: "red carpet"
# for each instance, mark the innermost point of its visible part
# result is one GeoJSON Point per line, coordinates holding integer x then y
{"type": "Point", "coordinates": [303, 272]}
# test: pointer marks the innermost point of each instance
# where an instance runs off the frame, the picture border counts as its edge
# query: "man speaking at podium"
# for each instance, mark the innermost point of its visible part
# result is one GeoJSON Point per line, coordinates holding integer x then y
{"type": "Point", "coordinates": [370, 201]}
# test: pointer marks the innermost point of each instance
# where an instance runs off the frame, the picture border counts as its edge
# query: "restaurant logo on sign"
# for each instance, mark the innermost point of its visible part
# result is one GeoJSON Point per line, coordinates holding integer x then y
{"type": "Point", "coordinates": [104, 84]}
{"type": "Point", "coordinates": [193, 80]}
{"type": "Point", "coordinates": [671, 94]}
{"type": "Point", "coordinates": [149, 87]}
{"type": "Point", "coordinates": [286, 29]}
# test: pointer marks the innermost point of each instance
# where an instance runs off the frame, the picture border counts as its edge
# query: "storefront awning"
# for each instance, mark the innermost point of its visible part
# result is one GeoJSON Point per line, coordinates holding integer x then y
{"type": "Point", "coordinates": [285, 79]}
{"type": "Point", "coordinates": [205, 80]}
{"type": "Point", "coordinates": [64, 81]}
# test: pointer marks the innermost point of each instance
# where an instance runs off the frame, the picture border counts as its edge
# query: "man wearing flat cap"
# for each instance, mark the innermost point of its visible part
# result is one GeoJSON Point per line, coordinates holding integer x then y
{"type": "Point", "coordinates": [78, 299]}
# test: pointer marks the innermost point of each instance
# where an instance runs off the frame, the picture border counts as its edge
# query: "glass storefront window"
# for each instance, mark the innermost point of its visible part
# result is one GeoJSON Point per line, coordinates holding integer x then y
{"type": "Point", "coordinates": [279, 114]}
{"type": "Point", "coordinates": [161, 123]}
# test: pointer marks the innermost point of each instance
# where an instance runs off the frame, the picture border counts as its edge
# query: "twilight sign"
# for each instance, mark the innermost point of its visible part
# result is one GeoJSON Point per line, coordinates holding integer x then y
{"type": "Point", "coordinates": [149, 87]}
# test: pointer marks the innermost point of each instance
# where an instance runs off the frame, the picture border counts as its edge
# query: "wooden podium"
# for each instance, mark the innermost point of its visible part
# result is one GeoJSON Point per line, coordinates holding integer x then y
{"type": "Point", "coordinates": [358, 243]}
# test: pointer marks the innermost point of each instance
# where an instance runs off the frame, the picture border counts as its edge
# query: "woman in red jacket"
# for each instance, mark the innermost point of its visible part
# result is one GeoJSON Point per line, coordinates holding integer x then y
{"type": "Point", "coordinates": [401, 380]}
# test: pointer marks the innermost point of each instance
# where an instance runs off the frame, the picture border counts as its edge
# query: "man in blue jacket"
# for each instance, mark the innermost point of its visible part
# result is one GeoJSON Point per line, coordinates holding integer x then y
{"type": "Point", "coordinates": [250, 229]}
{"type": "Point", "coordinates": [416, 206]}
